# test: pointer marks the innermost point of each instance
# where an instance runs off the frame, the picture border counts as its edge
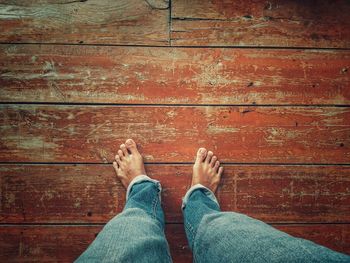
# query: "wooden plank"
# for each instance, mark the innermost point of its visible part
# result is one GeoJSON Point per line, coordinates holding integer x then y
{"type": "Point", "coordinates": [93, 194]}
{"type": "Point", "coordinates": [66, 243]}
{"type": "Point", "coordinates": [46, 133]}
{"type": "Point", "coordinates": [90, 22]}
{"type": "Point", "coordinates": [321, 24]}
{"type": "Point", "coordinates": [336, 237]}
{"type": "Point", "coordinates": [88, 74]}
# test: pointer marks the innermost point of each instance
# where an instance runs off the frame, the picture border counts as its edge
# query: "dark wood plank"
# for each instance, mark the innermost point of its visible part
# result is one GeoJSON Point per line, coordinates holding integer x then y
{"type": "Point", "coordinates": [87, 74]}
{"type": "Point", "coordinates": [336, 237]}
{"type": "Point", "coordinates": [45, 133]}
{"type": "Point", "coordinates": [91, 22]}
{"type": "Point", "coordinates": [309, 23]}
{"type": "Point", "coordinates": [66, 243]}
{"type": "Point", "coordinates": [93, 194]}
{"type": "Point", "coordinates": [45, 243]}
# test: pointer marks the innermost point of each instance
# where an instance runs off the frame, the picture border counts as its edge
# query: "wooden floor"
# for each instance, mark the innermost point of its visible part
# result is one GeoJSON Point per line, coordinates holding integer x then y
{"type": "Point", "coordinates": [264, 84]}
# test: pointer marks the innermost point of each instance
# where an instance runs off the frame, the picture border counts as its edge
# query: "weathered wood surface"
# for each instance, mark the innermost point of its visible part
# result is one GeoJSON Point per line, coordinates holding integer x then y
{"type": "Point", "coordinates": [87, 74]}
{"type": "Point", "coordinates": [69, 193]}
{"type": "Point", "coordinates": [46, 133]}
{"type": "Point", "coordinates": [90, 22]}
{"type": "Point", "coordinates": [66, 243]}
{"type": "Point", "coordinates": [321, 24]}
{"type": "Point", "coordinates": [336, 237]}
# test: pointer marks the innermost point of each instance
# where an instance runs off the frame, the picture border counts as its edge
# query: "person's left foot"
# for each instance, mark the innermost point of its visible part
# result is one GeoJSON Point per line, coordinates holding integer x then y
{"type": "Point", "coordinates": [128, 162]}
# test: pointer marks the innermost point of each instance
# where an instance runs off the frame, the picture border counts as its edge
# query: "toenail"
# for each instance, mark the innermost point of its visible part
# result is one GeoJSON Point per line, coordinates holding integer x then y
{"type": "Point", "coordinates": [202, 150]}
{"type": "Point", "coordinates": [128, 141]}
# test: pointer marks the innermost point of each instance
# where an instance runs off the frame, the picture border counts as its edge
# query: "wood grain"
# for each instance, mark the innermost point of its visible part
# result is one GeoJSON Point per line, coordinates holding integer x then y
{"type": "Point", "coordinates": [93, 194]}
{"type": "Point", "coordinates": [89, 22]}
{"type": "Point", "coordinates": [45, 133]}
{"type": "Point", "coordinates": [321, 24]}
{"type": "Point", "coordinates": [336, 237]}
{"type": "Point", "coordinates": [66, 243]}
{"type": "Point", "coordinates": [132, 75]}
{"type": "Point", "coordinates": [54, 243]}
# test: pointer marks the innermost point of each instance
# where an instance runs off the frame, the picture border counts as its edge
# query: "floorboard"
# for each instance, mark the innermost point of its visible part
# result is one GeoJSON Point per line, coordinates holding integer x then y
{"type": "Point", "coordinates": [65, 243]}
{"type": "Point", "coordinates": [89, 134]}
{"type": "Point", "coordinates": [321, 24]}
{"type": "Point", "coordinates": [272, 193]}
{"type": "Point", "coordinates": [151, 75]}
{"type": "Point", "coordinates": [124, 22]}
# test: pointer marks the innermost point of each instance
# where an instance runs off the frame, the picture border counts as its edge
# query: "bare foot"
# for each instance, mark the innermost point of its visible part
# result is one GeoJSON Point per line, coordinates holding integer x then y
{"type": "Point", "coordinates": [207, 170]}
{"type": "Point", "coordinates": [128, 162]}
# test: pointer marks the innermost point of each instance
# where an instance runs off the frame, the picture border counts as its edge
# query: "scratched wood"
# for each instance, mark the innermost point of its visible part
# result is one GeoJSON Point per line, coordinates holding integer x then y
{"type": "Point", "coordinates": [321, 24]}
{"type": "Point", "coordinates": [90, 22]}
{"type": "Point", "coordinates": [53, 133]}
{"type": "Point", "coordinates": [66, 243]}
{"type": "Point", "coordinates": [69, 193]}
{"type": "Point", "coordinates": [336, 237]}
{"type": "Point", "coordinates": [90, 74]}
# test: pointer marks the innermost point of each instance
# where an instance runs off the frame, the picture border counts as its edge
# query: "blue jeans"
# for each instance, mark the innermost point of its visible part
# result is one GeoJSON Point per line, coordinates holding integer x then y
{"type": "Point", "coordinates": [137, 234]}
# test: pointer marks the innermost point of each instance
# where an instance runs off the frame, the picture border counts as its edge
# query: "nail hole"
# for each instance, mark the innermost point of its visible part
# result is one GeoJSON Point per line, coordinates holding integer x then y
{"type": "Point", "coordinates": [250, 84]}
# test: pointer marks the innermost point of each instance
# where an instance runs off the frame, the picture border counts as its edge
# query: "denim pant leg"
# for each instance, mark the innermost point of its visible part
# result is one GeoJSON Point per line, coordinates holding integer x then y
{"type": "Point", "coordinates": [136, 234]}
{"type": "Point", "coordinates": [216, 236]}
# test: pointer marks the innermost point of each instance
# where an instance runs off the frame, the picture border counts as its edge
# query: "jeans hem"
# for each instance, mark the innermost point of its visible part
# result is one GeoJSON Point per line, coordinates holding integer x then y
{"type": "Point", "coordinates": [207, 192]}
{"type": "Point", "coordinates": [142, 178]}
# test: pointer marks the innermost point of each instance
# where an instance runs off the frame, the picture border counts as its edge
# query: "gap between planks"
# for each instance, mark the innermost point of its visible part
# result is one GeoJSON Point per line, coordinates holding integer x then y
{"type": "Point", "coordinates": [177, 47]}
{"type": "Point", "coordinates": [177, 105]}
{"type": "Point", "coordinates": [178, 163]}
{"type": "Point", "coordinates": [166, 223]}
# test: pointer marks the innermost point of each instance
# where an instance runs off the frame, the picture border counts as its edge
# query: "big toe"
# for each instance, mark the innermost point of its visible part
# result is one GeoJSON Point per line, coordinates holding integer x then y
{"type": "Point", "coordinates": [131, 145]}
{"type": "Point", "coordinates": [201, 153]}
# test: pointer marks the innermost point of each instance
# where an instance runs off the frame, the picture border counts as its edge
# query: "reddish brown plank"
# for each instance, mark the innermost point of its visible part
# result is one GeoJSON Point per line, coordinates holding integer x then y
{"type": "Point", "coordinates": [93, 194]}
{"type": "Point", "coordinates": [66, 243]}
{"type": "Point", "coordinates": [336, 237]}
{"type": "Point", "coordinates": [87, 74]}
{"type": "Point", "coordinates": [90, 22]}
{"type": "Point", "coordinates": [278, 23]}
{"type": "Point", "coordinates": [45, 133]}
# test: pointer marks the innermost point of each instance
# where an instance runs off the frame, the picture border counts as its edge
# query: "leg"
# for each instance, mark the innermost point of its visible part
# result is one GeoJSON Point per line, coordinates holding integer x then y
{"type": "Point", "coordinates": [216, 236]}
{"type": "Point", "coordinates": [136, 234]}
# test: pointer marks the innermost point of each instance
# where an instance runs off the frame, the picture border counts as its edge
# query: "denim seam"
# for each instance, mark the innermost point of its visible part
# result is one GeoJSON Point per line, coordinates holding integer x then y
{"type": "Point", "coordinates": [191, 230]}
{"type": "Point", "coordinates": [156, 201]}
{"type": "Point", "coordinates": [154, 207]}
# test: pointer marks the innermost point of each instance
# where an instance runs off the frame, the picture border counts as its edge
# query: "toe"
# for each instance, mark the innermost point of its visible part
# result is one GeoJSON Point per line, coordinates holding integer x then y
{"type": "Point", "coordinates": [209, 155]}
{"type": "Point", "coordinates": [118, 159]}
{"type": "Point", "coordinates": [121, 154]}
{"type": "Point", "coordinates": [115, 165]}
{"type": "Point", "coordinates": [213, 160]}
{"type": "Point", "coordinates": [131, 145]}
{"type": "Point", "coordinates": [201, 153]}
{"type": "Point", "coordinates": [221, 169]}
{"type": "Point", "coordinates": [216, 166]}
{"type": "Point", "coordinates": [124, 150]}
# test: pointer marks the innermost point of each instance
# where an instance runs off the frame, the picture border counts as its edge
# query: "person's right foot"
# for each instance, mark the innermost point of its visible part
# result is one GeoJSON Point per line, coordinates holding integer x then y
{"type": "Point", "coordinates": [207, 170]}
{"type": "Point", "coordinates": [128, 162]}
